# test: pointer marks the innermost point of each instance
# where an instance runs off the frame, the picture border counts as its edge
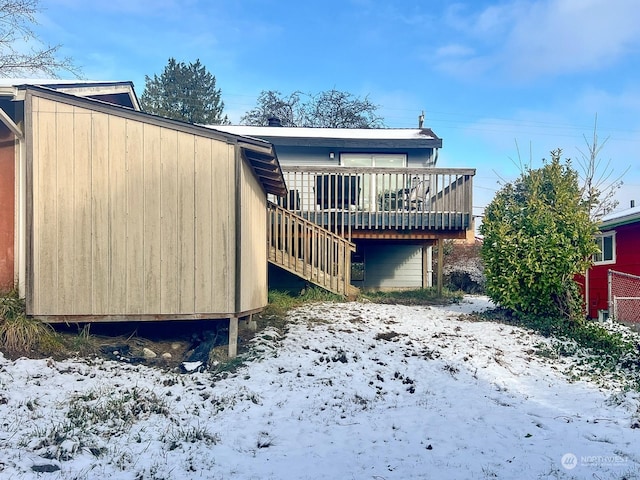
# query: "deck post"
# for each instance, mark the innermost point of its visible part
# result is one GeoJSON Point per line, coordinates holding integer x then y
{"type": "Point", "coordinates": [233, 337]}
{"type": "Point", "coordinates": [440, 262]}
{"type": "Point", "coordinates": [427, 265]}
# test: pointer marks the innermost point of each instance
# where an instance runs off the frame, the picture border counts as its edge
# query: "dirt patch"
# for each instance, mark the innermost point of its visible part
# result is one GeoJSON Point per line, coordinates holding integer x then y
{"type": "Point", "coordinates": [159, 344]}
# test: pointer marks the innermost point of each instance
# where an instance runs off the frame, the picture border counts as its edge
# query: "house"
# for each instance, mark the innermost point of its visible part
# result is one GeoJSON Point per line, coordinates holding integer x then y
{"type": "Point", "coordinates": [612, 284]}
{"type": "Point", "coordinates": [111, 214]}
{"type": "Point", "coordinates": [378, 188]}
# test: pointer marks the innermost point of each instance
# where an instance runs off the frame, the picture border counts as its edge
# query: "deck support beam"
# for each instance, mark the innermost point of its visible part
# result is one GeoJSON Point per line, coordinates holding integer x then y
{"type": "Point", "coordinates": [427, 265]}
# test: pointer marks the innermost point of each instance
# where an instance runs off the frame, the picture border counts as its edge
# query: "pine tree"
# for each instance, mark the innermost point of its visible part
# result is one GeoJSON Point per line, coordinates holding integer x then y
{"type": "Point", "coordinates": [184, 92]}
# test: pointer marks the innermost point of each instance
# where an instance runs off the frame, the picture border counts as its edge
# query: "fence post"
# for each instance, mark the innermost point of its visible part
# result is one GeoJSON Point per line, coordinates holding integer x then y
{"type": "Point", "coordinates": [609, 294]}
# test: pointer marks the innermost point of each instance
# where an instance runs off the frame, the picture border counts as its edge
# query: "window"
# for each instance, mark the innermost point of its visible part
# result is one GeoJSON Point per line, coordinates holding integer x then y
{"type": "Point", "coordinates": [606, 243]}
{"type": "Point", "coordinates": [373, 185]}
{"type": "Point", "coordinates": [388, 160]}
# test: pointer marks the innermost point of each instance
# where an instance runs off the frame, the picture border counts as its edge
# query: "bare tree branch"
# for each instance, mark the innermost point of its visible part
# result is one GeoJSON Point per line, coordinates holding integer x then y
{"type": "Point", "coordinates": [598, 187]}
{"type": "Point", "coordinates": [17, 18]}
{"type": "Point", "coordinates": [330, 109]}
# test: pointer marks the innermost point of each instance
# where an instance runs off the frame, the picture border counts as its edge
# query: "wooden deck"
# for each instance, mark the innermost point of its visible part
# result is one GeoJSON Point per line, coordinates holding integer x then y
{"type": "Point", "coordinates": [346, 200]}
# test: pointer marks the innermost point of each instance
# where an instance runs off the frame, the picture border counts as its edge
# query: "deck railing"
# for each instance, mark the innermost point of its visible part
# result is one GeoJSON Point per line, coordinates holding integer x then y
{"type": "Point", "coordinates": [310, 251]}
{"type": "Point", "coordinates": [351, 198]}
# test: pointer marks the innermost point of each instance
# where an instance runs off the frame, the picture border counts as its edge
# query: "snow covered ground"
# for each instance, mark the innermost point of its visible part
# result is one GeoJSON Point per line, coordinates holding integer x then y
{"type": "Point", "coordinates": [353, 391]}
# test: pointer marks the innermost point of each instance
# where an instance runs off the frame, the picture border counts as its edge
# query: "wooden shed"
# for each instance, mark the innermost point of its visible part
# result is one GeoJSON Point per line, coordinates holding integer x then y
{"type": "Point", "coordinates": [130, 216]}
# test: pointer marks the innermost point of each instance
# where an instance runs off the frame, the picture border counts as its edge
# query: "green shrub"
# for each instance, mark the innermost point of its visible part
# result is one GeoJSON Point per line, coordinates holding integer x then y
{"type": "Point", "coordinates": [537, 237]}
{"type": "Point", "coordinates": [11, 306]}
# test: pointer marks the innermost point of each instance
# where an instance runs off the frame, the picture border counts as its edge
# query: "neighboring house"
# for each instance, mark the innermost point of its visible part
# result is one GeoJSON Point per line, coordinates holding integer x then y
{"type": "Point", "coordinates": [619, 242]}
{"type": "Point", "coordinates": [378, 188]}
{"type": "Point", "coordinates": [110, 214]}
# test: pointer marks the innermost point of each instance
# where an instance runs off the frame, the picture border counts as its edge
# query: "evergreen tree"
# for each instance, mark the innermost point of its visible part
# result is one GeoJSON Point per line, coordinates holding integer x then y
{"type": "Point", "coordinates": [184, 92]}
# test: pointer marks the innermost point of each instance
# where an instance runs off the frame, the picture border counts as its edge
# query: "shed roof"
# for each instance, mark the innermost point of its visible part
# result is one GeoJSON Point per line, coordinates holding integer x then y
{"type": "Point", "coordinates": [623, 217]}
{"type": "Point", "coordinates": [260, 154]}
{"type": "Point", "coordinates": [116, 92]}
{"type": "Point", "coordinates": [332, 137]}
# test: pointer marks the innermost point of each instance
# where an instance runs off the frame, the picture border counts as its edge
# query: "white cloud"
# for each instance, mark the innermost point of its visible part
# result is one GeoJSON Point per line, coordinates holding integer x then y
{"type": "Point", "coordinates": [529, 39]}
{"type": "Point", "coordinates": [565, 36]}
{"type": "Point", "coordinates": [454, 50]}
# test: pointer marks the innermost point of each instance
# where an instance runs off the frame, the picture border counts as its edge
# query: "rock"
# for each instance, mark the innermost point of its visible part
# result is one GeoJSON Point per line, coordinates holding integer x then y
{"type": "Point", "coordinates": [148, 353]}
{"type": "Point", "coordinates": [120, 353]}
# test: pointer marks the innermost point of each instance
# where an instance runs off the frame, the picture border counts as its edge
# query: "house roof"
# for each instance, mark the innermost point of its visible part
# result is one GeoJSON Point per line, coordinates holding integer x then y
{"type": "Point", "coordinates": [623, 217]}
{"type": "Point", "coordinates": [336, 137]}
{"type": "Point", "coordinates": [116, 92]}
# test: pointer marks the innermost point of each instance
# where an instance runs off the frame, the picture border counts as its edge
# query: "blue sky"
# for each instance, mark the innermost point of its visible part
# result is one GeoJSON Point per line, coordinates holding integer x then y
{"type": "Point", "coordinates": [497, 80]}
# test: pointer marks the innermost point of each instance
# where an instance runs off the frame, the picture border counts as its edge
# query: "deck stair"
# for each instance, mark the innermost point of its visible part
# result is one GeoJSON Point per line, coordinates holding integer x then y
{"type": "Point", "coordinates": [310, 251]}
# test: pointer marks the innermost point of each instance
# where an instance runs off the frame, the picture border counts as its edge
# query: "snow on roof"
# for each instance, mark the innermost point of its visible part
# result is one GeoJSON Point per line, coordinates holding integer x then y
{"type": "Point", "coordinates": [14, 82]}
{"type": "Point", "coordinates": [622, 217]}
{"type": "Point", "coordinates": [338, 133]}
{"type": "Point", "coordinates": [82, 88]}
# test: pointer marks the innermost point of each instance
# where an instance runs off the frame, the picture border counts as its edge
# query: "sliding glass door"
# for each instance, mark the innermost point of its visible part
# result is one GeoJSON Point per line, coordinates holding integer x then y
{"type": "Point", "coordinates": [375, 186]}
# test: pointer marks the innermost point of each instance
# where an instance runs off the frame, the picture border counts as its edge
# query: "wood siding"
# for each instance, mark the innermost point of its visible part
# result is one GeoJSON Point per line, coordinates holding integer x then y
{"type": "Point", "coordinates": [390, 267]}
{"type": "Point", "coordinates": [129, 217]}
{"type": "Point", "coordinates": [252, 280]}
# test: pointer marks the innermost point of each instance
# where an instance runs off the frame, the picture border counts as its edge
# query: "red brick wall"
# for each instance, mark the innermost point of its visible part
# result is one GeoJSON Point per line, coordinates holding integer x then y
{"type": "Point", "coordinates": [7, 210]}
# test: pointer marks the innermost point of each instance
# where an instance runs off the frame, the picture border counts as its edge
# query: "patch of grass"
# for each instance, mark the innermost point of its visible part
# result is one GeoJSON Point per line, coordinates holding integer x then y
{"type": "Point", "coordinates": [194, 434]}
{"type": "Point", "coordinates": [114, 410]}
{"type": "Point", "coordinates": [83, 341]}
{"type": "Point", "coordinates": [20, 335]}
{"type": "Point", "coordinates": [228, 367]}
{"type": "Point", "coordinates": [265, 440]}
{"type": "Point", "coordinates": [420, 296]}
{"type": "Point", "coordinates": [281, 301]}
{"type": "Point", "coordinates": [590, 335]}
